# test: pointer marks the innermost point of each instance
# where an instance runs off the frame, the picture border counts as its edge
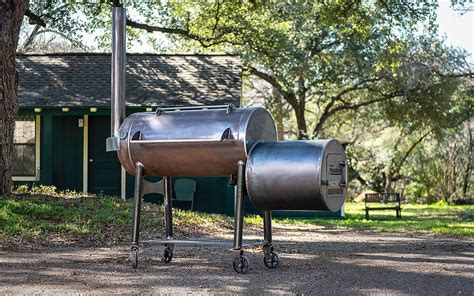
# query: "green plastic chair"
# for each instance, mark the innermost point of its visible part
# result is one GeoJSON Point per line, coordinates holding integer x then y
{"type": "Point", "coordinates": [184, 190]}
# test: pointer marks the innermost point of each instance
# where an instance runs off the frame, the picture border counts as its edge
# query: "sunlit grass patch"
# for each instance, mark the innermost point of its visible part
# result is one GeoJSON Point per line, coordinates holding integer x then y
{"type": "Point", "coordinates": [435, 219]}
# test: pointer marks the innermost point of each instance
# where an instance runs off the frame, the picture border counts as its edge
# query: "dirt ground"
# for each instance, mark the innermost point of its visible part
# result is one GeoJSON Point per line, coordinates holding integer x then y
{"type": "Point", "coordinates": [314, 260]}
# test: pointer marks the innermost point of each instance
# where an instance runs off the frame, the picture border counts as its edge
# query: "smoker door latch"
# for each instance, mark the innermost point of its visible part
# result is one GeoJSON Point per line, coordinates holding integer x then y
{"type": "Point", "coordinates": [344, 177]}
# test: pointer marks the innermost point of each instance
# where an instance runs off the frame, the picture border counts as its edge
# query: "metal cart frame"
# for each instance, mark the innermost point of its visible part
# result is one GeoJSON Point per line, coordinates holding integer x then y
{"type": "Point", "coordinates": [240, 262]}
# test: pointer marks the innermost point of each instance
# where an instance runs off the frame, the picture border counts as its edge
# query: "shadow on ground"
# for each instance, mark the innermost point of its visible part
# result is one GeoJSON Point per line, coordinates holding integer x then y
{"type": "Point", "coordinates": [314, 261]}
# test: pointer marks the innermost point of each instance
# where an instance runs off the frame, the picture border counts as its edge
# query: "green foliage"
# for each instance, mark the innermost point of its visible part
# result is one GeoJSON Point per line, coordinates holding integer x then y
{"type": "Point", "coordinates": [442, 168]}
{"type": "Point", "coordinates": [374, 74]}
{"type": "Point", "coordinates": [323, 57]}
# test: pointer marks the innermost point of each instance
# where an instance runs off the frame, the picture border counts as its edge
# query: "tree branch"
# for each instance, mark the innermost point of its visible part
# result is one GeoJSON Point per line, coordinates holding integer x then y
{"type": "Point", "coordinates": [204, 41]}
{"type": "Point", "coordinates": [76, 43]}
{"type": "Point", "coordinates": [289, 97]}
{"type": "Point", "coordinates": [409, 151]}
{"type": "Point", "coordinates": [35, 19]}
{"type": "Point", "coordinates": [29, 40]}
{"type": "Point", "coordinates": [444, 75]}
{"type": "Point", "coordinates": [356, 86]}
{"type": "Point", "coordinates": [150, 28]}
{"type": "Point", "coordinates": [329, 110]}
{"type": "Point", "coordinates": [217, 16]}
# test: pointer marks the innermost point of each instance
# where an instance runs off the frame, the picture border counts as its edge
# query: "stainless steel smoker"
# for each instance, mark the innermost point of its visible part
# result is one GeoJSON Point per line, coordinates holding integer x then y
{"type": "Point", "coordinates": [220, 141]}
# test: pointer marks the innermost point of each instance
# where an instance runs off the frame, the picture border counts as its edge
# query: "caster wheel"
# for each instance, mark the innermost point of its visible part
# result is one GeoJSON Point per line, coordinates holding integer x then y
{"type": "Point", "coordinates": [167, 255]}
{"type": "Point", "coordinates": [241, 264]}
{"type": "Point", "coordinates": [271, 260]}
{"type": "Point", "coordinates": [133, 258]}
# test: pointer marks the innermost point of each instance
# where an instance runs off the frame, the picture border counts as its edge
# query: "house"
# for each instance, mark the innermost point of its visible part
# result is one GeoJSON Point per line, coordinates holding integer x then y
{"type": "Point", "coordinates": [64, 116]}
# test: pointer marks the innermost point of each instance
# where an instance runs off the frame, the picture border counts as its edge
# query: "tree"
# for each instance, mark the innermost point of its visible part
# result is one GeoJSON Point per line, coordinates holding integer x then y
{"type": "Point", "coordinates": [323, 59]}
{"type": "Point", "coordinates": [11, 17]}
{"type": "Point", "coordinates": [328, 58]}
{"type": "Point", "coordinates": [466, 182]}
{"type": "Point", "coordinates": [442, 169]}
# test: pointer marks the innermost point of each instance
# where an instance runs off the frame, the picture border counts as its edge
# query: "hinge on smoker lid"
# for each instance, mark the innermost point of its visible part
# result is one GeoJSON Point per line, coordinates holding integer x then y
{"type": "Point", "coordinates": [123, 134]}
{"type": "Point", "coordinates": [159, 111]}
{"type": "Point", "coordinates": [227, 135]}
{"type": "Point", "coordinates": [137, 136]}
{"type": "Point", "coordinates": [230, 107]}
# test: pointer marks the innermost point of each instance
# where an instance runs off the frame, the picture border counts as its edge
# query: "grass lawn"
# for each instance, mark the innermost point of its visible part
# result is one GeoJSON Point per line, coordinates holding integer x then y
{"type": "Point", "coordinates": [62, 218]}
{"type": "Point", "coordinates": [59, 218]}
{"type": "Point", "coordinates": [435, 219]}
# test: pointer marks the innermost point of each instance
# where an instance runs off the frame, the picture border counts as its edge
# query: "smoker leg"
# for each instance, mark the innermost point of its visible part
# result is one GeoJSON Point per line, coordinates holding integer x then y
{"type": "Point", "coordinates": [168, 252]}
{"type": "Point", "coordinates": [239, 208]}
{"type": "Point", "coordinates": [267, 228]}
{"type": "Point", "coordinates": [137, 198]}
{"type": "Point", "coordinates": [240, 263]}
{"type": "Point", "coordinates": [270, 258]}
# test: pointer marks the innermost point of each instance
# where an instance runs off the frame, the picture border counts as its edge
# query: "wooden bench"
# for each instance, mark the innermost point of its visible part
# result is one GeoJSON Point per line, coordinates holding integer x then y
{"type": "Point", "coordinates": [391, 201]}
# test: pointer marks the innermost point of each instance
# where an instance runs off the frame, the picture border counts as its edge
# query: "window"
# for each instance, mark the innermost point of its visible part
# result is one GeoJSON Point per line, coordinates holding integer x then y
{"type": "Point", "coordinates": [25, 150]}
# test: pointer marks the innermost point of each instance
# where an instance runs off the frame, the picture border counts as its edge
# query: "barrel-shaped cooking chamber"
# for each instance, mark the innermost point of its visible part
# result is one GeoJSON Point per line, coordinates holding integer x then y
{"type": "Point", "coordinates": [297, 175]}
{"type": "Point", "coordinates": [205, 142]}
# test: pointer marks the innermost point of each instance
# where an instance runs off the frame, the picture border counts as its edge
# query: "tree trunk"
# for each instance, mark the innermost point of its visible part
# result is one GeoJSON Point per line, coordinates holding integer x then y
{"type": "Point", "coordinates": [394, 171]}
{"type": "Point", "coordinates": [300, 108]}
{"type": "Point", "coordinates": [467, 171]}
{"type": "Point", "coordinates": [11, 16]}
{"type": "Point", "coordinates": [301, 122]}
{"type": "Point", "coordinates": [277, 111]}
{"type": "Point", "coordinates": [319, 126]}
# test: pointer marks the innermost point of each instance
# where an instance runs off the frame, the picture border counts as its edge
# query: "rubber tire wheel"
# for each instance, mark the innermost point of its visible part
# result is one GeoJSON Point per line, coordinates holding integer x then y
{"type": "Point", "coordinates": [271, 260]}
{"type": "Point", "coordinates": [133, 258]}
{"type": "Point", "coordinates": [167, 256]}
{"type": "Point", "coordinates": [241, 264]}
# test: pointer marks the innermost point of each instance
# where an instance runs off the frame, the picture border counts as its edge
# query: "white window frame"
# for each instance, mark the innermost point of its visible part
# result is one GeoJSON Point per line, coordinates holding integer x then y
{"type": "Point", "coordinates": [36, 177]}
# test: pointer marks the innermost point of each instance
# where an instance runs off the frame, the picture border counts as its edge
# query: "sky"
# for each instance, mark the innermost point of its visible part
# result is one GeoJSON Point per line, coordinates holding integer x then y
{"type": "Point", "coordinates": [458, 28]}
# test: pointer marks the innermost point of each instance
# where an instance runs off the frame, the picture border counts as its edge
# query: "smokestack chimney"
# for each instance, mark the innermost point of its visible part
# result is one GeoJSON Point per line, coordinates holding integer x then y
{"type": "Point", "coordinates": [118, 76]}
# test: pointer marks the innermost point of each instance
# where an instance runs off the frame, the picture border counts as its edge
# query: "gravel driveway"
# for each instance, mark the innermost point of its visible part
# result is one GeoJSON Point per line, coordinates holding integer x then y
{"type": "Point", "coordinates": [315, 260]}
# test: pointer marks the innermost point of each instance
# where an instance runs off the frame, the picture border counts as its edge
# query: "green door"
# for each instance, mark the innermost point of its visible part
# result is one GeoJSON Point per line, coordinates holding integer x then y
{"type": "Point", "coordinates": [104, 167]}
{"type": "Point", "coordinates": [67, 153]}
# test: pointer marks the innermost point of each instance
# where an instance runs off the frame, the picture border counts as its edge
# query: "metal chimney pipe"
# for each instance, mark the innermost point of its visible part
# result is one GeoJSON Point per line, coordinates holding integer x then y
{"type": "Point", "coordinates": [118, 76]}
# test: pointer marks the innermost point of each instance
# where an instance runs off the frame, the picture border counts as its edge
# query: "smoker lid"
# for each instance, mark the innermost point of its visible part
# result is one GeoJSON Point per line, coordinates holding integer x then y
{"type": "Point", "coordinates": [260, 127]}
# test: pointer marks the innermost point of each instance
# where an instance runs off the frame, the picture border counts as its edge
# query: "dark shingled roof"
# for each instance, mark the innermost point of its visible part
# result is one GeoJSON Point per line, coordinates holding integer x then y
{"type": "Point", "coordinates": [54, 80]}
